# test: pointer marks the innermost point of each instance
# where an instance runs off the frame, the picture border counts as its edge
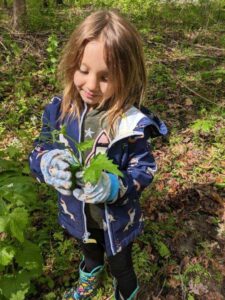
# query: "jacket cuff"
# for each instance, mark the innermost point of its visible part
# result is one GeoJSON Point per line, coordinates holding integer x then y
{"type": "Point", "coordinates": [114, 190]}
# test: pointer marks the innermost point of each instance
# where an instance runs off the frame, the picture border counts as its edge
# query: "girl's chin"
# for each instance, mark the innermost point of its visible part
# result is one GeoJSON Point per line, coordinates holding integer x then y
{"type": "Point", "coordinates": [91, 102]}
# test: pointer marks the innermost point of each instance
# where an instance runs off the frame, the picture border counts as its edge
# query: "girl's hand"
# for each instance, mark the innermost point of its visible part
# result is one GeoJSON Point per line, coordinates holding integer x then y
{"type": "Point", "coordinates": [54, 166]}
{"type": "Point", "coordinates": [79, 179]}
{"type": "Point", "coordinates": [106, 190]}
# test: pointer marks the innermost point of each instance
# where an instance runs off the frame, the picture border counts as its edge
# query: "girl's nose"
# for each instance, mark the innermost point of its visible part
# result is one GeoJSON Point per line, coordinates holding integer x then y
{"type": "Point", "coordinates": [92, 83]}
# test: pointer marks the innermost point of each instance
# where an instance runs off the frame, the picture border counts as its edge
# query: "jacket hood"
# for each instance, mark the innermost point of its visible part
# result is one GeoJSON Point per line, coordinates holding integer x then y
{"type": "Point", "coordinates": [140, 122]}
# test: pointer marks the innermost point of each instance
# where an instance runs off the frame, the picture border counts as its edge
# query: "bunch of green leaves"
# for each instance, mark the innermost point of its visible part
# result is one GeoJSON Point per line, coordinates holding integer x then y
{"type": "Point", "coordinates": [20, 259]}
{"type": "Point", "coordinates": [98, 163]}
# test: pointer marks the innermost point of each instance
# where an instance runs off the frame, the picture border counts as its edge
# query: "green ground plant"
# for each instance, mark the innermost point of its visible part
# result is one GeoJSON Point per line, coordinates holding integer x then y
{"type": "Point", "coordinates": [20, 259]}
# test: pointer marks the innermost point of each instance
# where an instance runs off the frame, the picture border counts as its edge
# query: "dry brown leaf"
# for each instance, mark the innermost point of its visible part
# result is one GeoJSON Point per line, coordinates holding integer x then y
{"type": "Point", "coordinates": [197, 288]}
{"type": "Point", "coordinates": [188, 102]}
{"type": "Point", "coordinates": [173, 282]}
{"type": "Point", "coordinates": [179, 149]}
{"type": "Point", "coordinates": [217, 198]}
{"type": "Point", "coordinates": [213, 296]}
{"type": "Point", "coordinates": [206, 166]}
{"type": "Point", "coordinates": [159, 186]}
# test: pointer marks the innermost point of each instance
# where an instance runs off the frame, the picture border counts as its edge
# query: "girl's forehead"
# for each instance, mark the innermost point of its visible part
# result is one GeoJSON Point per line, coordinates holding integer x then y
{"type": "Point", "coordinates": [94, 55]}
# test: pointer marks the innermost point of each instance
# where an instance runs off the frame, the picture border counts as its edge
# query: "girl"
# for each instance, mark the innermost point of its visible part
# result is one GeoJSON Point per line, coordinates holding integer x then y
{"type": "Point", "coordinates": [104, 79]}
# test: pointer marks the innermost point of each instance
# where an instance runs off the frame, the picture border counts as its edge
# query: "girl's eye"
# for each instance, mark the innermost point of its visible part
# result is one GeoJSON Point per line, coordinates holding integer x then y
{"type": "Point", "coordinates": [83, 71]}
{"type": "Point", "coordinates": [105, 78]}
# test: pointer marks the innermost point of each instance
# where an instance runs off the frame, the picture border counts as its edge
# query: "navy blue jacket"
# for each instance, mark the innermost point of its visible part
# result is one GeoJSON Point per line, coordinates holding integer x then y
{"type": "Point", "coordinates": [122, 219]}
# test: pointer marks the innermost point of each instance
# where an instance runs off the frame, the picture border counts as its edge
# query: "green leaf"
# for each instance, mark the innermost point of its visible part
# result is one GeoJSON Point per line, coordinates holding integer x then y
{"type": "Point", "coordinates": [17, 188]}
{"type": "Point", "coordinates": [163, 249]}
{"type": "Point", "coordinates": [55, 135]}
{"type": "Point", "coordinates": [20, 295]}
{"type": "Point", "coordinates": [53, 60]}
{"type": "Point", "coordinates": [6, 165]}
{"type": "Point", "coordinates": [3, 223]}
{"type": "Point", "coordinates": [203, 125]}
{"type": "Point", "coordinates": [6, 255]}
{"type": "Point", "coordinates": [86, 145]}
{"type": "Point", "coordinates": [63, 129]}
{"type": "Point", "coordinates": [3, 207]}
{"type": "Point", "coordinates": [49, 50]}
{"type": "Point", "coordinates": [29, 258]}
{"type": "Point", "coordinates": [13, 152]}
{"type": "Point", "coordinates": [18, 221]}
{"type": "Point", "coordinates": [15, 285]}
{"type": "Point", "coordinates": [190, 297]}
{"type": "Point", "coordinates": [98, 164]}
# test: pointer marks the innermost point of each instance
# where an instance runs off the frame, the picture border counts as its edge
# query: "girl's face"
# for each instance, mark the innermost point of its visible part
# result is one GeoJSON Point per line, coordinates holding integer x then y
{"type": "Point", "coordinates": [92, 78]}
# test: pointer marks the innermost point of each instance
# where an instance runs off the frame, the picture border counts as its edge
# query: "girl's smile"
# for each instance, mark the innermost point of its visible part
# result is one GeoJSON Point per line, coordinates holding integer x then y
{"type": "Point", "coordinates": [92, 78]}
{"type": "Point", "coordinates": [89, 95]}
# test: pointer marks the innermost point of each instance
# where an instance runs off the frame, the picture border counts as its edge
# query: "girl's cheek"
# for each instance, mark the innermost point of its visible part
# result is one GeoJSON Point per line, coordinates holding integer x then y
{"type": "Point", "coordinates": [77, 79]}
{"type": "Point", "coordinates": [105, 87]}
{"type": "Point", "coordinates": [109, 90]}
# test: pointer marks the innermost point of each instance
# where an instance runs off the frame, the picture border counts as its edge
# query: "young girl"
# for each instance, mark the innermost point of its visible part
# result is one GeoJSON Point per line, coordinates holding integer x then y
{"type": "Point", "coordinates": [104, 79]}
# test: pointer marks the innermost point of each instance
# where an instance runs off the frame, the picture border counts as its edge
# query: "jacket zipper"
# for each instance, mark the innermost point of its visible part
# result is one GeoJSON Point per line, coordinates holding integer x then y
{"type": "Point", "coordinates": [109, 230]}
{"type": "Point", "coordinates": [106, 207]}
{"type": "Point", "coordinates": [86, 235]}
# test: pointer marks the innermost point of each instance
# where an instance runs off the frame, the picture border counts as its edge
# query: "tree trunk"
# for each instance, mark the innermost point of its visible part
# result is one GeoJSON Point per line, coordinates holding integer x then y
{"type": "Point", "coordinates": [19, 13]}
{"type": "Point", "coordinates": [59, 2]}
{"type": "Point", "coordinates": [45, 3]}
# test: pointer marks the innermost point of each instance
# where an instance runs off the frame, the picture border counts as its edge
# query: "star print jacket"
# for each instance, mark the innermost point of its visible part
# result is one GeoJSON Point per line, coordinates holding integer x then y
{"type": "Point", "coordinates": [130, 150]}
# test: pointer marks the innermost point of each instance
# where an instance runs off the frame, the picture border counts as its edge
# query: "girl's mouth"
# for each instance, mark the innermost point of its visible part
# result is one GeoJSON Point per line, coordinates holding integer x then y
{"type": "Point", "coordinates": [90, 95]}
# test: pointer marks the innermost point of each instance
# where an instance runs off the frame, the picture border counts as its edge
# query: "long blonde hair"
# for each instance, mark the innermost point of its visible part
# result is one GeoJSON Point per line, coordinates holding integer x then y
{"type": "Point", "coordinates": [124, 59]}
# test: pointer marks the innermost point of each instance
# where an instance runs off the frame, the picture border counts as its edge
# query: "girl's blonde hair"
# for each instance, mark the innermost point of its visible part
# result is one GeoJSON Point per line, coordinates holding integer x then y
{"type": "Point", "coordinates": [123, 57]}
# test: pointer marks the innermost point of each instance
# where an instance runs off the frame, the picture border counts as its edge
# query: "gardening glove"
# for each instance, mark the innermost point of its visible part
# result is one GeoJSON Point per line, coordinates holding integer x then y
{"type": "Point", "coordinates": [54, 165]}
{"type": "Point", "coordinates": [79, 179]}
{"type": "Point", "coordinates": [106, 190]}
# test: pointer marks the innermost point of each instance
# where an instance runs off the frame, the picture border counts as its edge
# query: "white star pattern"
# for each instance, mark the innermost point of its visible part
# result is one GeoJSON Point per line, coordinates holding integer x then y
{"type": "Point", "coordinates": [88, 132]}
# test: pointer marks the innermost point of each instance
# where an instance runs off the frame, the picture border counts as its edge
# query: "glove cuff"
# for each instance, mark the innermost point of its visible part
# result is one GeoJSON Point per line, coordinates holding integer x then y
{"type": "Point", "coordinates": [114, 190]}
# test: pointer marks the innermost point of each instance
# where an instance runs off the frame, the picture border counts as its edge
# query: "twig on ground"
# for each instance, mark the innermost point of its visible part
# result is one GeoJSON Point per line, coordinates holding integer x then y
{"type": "Point", "coordinates": [182, 283]}
{"type": "Point", "coordinates": [210, 47]}
{"type": "Point", "coordinates": [160, 292]}
{"type": "Point", "coordinates": [110, 297]}
{"type": "Point", "coordinates": [194, 92]}
{"type": "Point", "coordinates": [3, 45]}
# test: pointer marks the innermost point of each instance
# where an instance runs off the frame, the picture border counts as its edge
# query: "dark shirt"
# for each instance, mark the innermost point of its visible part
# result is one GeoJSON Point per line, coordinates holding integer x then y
{"type": "Point", "coordinates": [94, 129]}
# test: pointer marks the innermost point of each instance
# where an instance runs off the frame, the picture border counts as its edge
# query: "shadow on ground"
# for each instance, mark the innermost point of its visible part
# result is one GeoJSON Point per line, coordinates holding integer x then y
{"type": "Point", "coordinates": [196, 240]}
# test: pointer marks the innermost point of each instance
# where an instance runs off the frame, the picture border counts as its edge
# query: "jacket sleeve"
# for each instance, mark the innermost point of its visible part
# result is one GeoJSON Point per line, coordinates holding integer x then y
{"type": "Point", "coordinates": [43, 143]}
{"type": "Point", "coordinates": [139, 171]}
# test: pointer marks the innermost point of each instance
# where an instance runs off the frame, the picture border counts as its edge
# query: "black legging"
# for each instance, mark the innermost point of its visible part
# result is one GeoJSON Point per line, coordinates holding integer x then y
{"type": "Point", "coordinates": [121, 265]}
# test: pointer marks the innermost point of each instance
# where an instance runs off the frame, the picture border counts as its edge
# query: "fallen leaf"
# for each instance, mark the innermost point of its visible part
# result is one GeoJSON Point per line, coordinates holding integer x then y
{"type": "Point", "coordinates": [197, 288]}
{"type": "Point", "coordinates": [188, 102]}
{"type": "Point", "coordinates": [217, 198]}
{"type": "Point", "coordinates": [173, 282]}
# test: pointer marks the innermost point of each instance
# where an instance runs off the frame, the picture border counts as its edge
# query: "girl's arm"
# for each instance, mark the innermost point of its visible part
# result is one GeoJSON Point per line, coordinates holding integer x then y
{"type": "Point", "coordinates": [139, 172]}
{"type": "Point", "coordinates": [44, 142]}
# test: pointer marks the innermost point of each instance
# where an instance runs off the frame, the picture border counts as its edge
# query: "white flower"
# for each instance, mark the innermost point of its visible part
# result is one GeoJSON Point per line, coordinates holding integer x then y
{"type": "Point", "coordinates": [33, 120]}
{"type": "Point", "coordinates": [9, 185]}
{"type": "Point", "coordinates": [15, 142]}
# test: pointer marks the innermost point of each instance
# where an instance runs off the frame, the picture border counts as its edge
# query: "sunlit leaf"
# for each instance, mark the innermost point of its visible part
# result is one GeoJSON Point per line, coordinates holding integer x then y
{"type": "Point", "coordinates": [6, 255]}
{"type": "Point", "coordinates": [98, 164]}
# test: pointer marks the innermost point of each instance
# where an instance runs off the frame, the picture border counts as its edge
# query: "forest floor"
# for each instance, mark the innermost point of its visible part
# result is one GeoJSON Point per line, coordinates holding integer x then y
{"type": "Point", "coordinates": [181, 254]}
